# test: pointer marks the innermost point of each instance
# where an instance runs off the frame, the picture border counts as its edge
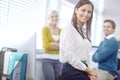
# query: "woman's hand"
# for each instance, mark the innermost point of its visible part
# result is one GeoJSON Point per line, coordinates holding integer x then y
{"type": "Point", "coordinates": [93, 78]}
{"type": "Point", "coordinates": [55, 45]}
{"type": "Point", "coordinates": [91, 72]}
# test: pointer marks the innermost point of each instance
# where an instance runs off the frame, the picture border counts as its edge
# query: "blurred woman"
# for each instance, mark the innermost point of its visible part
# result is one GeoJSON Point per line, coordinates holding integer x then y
{"type": "Point", "coordinates": [50, 37]}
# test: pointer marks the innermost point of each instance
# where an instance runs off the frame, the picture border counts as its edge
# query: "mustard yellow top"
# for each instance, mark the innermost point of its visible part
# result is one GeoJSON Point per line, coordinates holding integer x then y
{"type": "Point", "coordinates": [46, 39]}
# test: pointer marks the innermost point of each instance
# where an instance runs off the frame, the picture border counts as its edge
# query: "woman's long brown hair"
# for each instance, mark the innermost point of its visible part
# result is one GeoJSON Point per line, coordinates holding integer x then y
{"type": "Point", "coordinates": [88, 23]}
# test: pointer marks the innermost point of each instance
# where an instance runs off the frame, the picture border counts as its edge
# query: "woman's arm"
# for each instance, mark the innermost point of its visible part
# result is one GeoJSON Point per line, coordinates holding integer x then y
{"type": "Point", "coordinates": [45, 39]}
{"type": "Point", "coordinates": [55, 45]}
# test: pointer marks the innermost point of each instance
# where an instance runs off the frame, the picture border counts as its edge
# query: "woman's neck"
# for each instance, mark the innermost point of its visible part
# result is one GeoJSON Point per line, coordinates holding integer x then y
{"type": "Point", "coordinates": [53, 29]}
{"type": "Point", "coordinates": [52, 26]}
{"type": "Point", "coordinates": [80, 24]}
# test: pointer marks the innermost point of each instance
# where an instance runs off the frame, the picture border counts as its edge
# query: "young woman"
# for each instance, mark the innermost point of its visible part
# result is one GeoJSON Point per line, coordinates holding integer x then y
{"type": "Point", "coordinates": [50, 35]}
{"type": "Point", "coordinates": [75, 44]}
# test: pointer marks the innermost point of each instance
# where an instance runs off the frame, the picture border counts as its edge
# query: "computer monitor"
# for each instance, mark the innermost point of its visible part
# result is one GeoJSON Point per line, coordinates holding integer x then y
{"type": "Point", "coordinates": [24, 42]}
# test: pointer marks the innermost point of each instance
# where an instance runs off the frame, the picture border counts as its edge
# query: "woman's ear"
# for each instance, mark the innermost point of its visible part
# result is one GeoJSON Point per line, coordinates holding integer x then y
{"type": "Point", "coordinates": [76, 10]}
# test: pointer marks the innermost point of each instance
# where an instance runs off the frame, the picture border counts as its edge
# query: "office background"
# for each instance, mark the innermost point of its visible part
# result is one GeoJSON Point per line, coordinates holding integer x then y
{"type": "Point", "coordinates": [31, 15]}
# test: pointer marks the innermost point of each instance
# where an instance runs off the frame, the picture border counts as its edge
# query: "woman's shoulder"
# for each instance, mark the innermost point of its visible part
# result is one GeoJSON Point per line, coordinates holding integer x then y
{"type": "Point", "coordinates": [59, 28]}
{"type": "Point", "coordinates": [45, 28]}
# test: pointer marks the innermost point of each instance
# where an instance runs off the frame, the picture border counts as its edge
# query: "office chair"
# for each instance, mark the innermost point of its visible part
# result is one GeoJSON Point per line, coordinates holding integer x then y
{"type": "Point", "coordinates": [15, 64]}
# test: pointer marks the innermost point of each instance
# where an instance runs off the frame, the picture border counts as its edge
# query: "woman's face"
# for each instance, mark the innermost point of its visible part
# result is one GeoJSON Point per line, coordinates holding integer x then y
{"type": "Point", "coordinates": [83, 13]}
{"type": "Point", "coordinates": [53, 18]}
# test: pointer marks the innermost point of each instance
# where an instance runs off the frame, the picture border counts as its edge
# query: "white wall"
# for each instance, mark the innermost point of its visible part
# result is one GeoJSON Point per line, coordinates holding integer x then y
{"type": "Point", "coordinates": [112, 11]}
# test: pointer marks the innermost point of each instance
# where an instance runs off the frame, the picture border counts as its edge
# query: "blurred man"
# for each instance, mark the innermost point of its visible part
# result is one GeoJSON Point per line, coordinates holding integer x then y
{"type": "Point", "coordinates": [106, 54]}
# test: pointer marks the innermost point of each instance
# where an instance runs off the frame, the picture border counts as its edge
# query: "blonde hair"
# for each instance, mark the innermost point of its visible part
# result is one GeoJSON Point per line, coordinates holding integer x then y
{"type": "Point", "coordinates": [51, 12]}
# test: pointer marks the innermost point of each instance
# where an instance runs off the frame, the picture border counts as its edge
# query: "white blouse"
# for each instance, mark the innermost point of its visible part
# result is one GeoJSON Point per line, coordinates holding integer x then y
{"type": "Point", "coordinates": [56, 37]}
{"type": "Point", "coordinates": [73, 48]}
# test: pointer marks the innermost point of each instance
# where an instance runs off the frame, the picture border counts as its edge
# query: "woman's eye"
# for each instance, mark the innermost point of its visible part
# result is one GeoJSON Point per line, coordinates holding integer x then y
{"type": "Point", "coordinates": [89, 12]}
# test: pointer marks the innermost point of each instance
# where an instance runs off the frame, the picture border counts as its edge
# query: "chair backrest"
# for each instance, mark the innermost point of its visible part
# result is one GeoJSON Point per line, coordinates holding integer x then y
{"type": "Point", "coordinates": [15, 64]}
{"type": "Point", "coordinates": [2, 53]}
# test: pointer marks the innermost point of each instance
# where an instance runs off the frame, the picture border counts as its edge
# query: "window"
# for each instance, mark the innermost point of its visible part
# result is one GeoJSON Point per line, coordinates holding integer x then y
{"type": "Point", "coordinates": [65, 13]}
{"type": "Point", "coordinates": [23, 15]}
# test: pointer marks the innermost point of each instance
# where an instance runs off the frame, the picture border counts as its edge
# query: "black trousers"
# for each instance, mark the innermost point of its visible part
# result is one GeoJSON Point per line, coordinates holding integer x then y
{"type": "Point", "coordinates": [70, 73]}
